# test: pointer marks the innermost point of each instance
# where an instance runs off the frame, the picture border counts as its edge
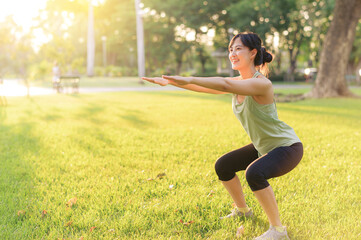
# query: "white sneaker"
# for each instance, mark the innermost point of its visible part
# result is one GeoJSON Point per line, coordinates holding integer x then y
{"type": "Point", "coordinates": [236, 213]}
{"type": "Point", "coordinates": [273, 234]}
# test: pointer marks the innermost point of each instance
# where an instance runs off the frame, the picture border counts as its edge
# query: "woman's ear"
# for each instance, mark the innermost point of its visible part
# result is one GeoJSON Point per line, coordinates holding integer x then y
{"type": "Point", "coordinates": [253, 53]}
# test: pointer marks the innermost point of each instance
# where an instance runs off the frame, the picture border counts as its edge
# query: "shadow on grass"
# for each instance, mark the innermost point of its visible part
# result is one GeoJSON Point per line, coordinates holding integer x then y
{"type": "Point", "coordinates": [95, 112]}
{"type": "Point", "coordinates": [92, 140]}
{"type": "Point", "coordinates": [91, 113]}
{"type": "Point", "coordinates": [205, 96]}
{"type": "Point", "coordinates": [343, 108]}
{"type": "Point", "coordinates": [136, 119]}
{"type": "Point", "coordinates": [18, 144]}
{"type": "Point", "coordinates": [351, 104]}
{"type": "Point", "coordinates": [3, 113]}
{"type": "Point", "coordinates": [52, 117]}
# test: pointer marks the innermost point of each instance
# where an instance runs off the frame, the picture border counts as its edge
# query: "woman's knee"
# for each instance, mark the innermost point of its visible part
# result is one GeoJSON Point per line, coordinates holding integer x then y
{"type": "Point", "coordinates": [219, 166]}
{"type": "Point", "coordinates": [252, 175]}
{"type": "Point", "coordinates": [224, 174]}
{"type": "Point", "coordinates": [256, 180]}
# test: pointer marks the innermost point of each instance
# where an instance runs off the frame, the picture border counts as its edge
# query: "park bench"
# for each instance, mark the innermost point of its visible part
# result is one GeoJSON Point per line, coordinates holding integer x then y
{"type": "Point", "coordinates": [68, 82]}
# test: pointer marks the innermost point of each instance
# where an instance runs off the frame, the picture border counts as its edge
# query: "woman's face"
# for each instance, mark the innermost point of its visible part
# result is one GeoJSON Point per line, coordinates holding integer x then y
{"type": "Point", "coordinates": [240, 56]}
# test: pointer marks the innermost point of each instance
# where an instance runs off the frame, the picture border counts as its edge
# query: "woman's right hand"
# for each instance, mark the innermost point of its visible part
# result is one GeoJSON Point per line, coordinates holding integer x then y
{"type": "Point", "coordinates": [157, 80]}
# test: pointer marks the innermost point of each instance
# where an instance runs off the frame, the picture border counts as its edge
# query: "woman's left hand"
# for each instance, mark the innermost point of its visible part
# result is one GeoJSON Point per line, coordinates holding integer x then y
{"type": "Point", "coordinates": [178, 79]}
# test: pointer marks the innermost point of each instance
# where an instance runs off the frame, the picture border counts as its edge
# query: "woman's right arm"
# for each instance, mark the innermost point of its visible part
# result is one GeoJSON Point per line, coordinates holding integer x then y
{"type": "Point", "coordinates": [192, 87]}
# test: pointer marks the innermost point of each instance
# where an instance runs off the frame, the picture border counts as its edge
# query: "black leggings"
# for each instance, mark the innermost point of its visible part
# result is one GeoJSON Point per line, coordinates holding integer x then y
{"type": "Point", "coordinates": [277, 162]}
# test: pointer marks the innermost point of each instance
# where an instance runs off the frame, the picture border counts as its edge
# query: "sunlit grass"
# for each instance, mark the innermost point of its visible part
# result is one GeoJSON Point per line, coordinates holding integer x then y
{"type": "Point", "coordinates": [103, 148]}
{"type": "Point", "coordinates": [128, 82]}
{"type": "Point", "coordinates": [102, 82]}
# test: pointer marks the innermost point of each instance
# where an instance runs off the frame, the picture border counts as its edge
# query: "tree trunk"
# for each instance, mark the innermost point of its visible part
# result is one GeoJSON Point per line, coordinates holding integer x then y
{"type": "Point", "coordinates": [203, 62]}
{"type": "Point", "coordinates": [90, 42]}
{"type": "Point", "coordinates": [179, 67]}
{"type": "Point", "coordinates": [292, 67]}
{"type": "Point", "coordinates": [180, 49]}
{"type": "Point", "coordinates": [202, 55]}
{"type": "Point", "coordinates": [331, 81]}
{"type": "Point", "coordinates": [358, 73]}
{"type": "Point", "coordinates": [294, 51]}
{"type": "Point", "coordinates": [290, 76]}
{"type": "Point", "coordinates": [279, 61]}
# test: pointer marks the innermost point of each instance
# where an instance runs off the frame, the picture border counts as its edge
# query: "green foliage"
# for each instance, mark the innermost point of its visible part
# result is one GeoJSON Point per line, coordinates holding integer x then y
{"type": "Point", "coordinates": [15, 49]}
{"type": "Point", "coordinates": [59, 50]}
{"type": "Point", "coordinates": [41, 71]}
{"type": "Point", "coordinates": [115, 71]}
{"type": "Point", "coordinates": [305, 21]}
{"type": "Point", "coordinates": [78, 65]}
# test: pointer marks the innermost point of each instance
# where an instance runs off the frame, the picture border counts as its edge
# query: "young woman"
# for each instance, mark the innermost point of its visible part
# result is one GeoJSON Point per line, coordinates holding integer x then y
{"type": "Point", "coordinates": [275, 149]}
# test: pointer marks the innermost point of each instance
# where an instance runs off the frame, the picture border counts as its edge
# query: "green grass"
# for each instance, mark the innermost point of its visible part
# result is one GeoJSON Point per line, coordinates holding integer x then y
{"type": "Point", "coordinates": [356, 90]}
{"type": "Point", "coordinates": [102, 148]}
{"type": "Point", "coordinates": [102, 82]}
{"type": "Point", "coordinates": [127, 82]}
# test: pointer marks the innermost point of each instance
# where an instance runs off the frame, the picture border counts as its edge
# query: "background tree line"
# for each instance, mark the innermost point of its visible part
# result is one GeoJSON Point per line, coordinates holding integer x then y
{"type": "Point", "coordinates": [176, 34]}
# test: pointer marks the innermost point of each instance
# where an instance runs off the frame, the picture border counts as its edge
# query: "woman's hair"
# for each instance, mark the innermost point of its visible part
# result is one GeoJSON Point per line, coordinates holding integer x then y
{"type": "Point", "coordinates": [253, 41]}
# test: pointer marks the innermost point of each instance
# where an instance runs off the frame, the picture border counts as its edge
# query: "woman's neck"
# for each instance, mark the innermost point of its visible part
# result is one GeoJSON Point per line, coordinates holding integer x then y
{"type": "Point", "coordinates": [247, 73]}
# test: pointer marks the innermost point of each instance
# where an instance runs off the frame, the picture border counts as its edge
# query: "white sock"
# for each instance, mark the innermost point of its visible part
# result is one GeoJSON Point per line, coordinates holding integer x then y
{"type": "Point", "coordinates": [280, 228]}
{"type": "Point", "coordinates": [244, 210]}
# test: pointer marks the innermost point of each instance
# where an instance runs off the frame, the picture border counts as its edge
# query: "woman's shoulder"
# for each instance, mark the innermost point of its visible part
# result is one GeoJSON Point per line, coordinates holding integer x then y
{"type": "Point", "coordinates": [234, 78]}
{"type": "Point", "coordinates": [260, 75]}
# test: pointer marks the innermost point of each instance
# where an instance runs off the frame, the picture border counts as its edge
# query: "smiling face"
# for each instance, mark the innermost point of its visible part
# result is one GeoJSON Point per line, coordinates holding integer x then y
{"type": "Point", "coordinates": [240, 56]}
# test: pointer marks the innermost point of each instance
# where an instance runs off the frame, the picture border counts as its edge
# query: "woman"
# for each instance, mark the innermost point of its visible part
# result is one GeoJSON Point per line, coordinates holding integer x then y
{"type": "Point", "coordinates": [275, 149]}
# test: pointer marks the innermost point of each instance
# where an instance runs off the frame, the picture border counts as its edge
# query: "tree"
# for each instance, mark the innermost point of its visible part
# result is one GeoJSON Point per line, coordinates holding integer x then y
{"type": "Point", "coordinates": [8, 28]}
{"type": "Point", "coordinates": [23, 54]}
{"type": "Point", "coordinates": [355, 57]}
{"type": "Point", "coordinates": [300, 24]}
{"type": "Point", "coordinates": [15, 51]}
{"type": "Point", "coordinates": [188, 16]}
{"type": "Point", "coordinates": [65, 23]}
{"type": "Point", "coordinates": [266, 18]}
{"type": "Point", "coordinates": [331, 81]}
{"type": "Point", "coordinates": [90, 42]}
{"type": "Point", "coordinates": [116, 20]}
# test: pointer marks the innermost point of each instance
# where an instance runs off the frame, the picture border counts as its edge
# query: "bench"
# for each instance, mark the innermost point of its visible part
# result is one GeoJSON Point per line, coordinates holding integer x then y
{"type": "Point", "coordinates": [69, 82]}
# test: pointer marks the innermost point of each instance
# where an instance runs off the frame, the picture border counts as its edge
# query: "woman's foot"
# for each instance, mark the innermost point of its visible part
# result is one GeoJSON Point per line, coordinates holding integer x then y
{"type": "Point", "coordinates": [274, 234]}
{"type": "Point", "coordinates": [237, 213]}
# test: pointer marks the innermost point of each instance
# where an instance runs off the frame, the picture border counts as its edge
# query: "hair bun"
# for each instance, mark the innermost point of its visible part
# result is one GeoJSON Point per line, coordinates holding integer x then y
{"type": "Point", "coordinates": [267, 57]}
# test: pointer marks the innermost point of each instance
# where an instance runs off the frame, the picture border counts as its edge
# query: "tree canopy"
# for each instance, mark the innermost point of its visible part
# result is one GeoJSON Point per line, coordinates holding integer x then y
{"type": "Point", "coordinates": [180, 36]}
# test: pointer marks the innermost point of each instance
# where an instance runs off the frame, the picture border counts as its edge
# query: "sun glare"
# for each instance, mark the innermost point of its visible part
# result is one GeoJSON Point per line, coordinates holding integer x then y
{"type": "Point", "coordinates": [22, 10]}
{"type": "Point", "coordinates": [97, 2]}
{"type": "Point", "coordinates": [15, 88]}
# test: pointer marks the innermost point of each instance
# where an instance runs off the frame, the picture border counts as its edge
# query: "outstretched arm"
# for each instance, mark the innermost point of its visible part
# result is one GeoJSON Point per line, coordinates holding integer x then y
{"type": "Point", "coordinates": [192, 87]}
{"type": "Point", "coordinates": [249, 87]}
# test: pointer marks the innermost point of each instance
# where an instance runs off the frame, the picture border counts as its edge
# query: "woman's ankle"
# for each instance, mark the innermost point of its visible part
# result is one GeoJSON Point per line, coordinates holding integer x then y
{"type": "Point", "coordinates": [243, 210]}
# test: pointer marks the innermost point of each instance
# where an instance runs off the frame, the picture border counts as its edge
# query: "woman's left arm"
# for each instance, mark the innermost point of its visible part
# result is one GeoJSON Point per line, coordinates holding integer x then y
{"type": "Point", "coordinates": [249, 87]}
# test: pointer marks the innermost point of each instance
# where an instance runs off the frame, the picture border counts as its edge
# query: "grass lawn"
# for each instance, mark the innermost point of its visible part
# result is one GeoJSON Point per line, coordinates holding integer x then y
{"type": "Point", "coordinates": [92, 160]}
{"type": "Point", "coordinates": [112, 82]}
{"type": "Point", "coordinates": [102, 82]}
{"type": "Point", "coordinates": [126, 82]}
{"type": "Point", "coordinates": [356, 90]}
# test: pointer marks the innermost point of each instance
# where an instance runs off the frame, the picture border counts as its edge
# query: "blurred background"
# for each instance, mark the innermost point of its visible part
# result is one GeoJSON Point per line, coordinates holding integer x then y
{"type": "Point", "coordinates": [98, 39]}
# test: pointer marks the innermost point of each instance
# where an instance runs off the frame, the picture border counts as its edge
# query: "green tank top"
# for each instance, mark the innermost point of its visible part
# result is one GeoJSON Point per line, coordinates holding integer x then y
{"type": "Point", "coordinates": [262, 125]}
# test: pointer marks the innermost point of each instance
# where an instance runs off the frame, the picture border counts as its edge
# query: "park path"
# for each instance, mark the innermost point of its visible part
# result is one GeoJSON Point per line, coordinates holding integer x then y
{"type": "Point", "coordinates": [20, 90]}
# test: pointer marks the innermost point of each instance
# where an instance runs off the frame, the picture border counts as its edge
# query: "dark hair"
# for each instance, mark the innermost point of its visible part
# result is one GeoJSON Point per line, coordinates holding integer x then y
{"type": "Point", "coordinates": [253, 41]}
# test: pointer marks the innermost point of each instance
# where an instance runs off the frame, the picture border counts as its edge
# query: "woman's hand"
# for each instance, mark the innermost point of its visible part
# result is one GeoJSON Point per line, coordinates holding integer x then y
{"type": "Point", "coordinates": [157, 80]}
{"type": "Point", "coordinates": [178, 79]}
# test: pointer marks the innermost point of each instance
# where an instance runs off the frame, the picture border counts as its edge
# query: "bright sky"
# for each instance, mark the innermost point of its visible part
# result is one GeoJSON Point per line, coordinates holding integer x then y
{"type": "Point", "coordinates": [22, 10]}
